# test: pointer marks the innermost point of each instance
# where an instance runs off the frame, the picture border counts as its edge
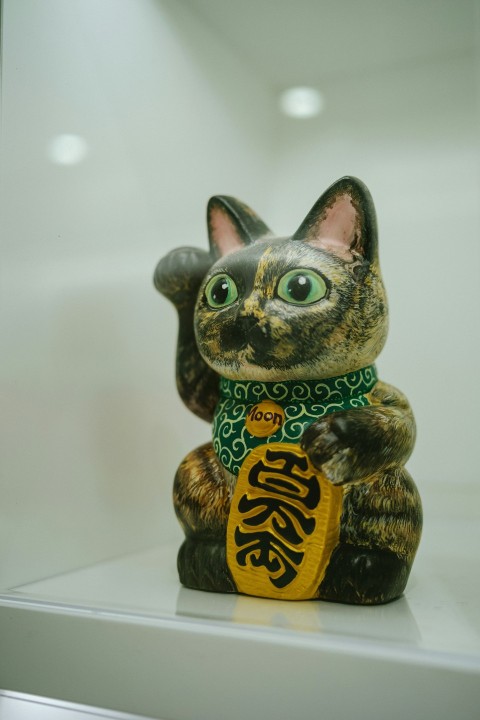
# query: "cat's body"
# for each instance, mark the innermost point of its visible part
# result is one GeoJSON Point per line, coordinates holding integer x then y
{"type": "Point", "coordinates": [303, 492]}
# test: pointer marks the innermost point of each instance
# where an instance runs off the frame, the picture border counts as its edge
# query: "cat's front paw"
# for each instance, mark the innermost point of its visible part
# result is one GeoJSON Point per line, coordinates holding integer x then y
{"type": "Point", "coordinates": [329, 443]}
{"type": "Point", "coordinates": [179, 274]}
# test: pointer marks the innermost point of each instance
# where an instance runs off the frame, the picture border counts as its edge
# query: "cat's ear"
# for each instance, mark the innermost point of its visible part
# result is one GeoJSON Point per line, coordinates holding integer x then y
{"type": "Point", "coordinates": [232, 225]}
{"type": "Point", "coordinates": [343, 222]}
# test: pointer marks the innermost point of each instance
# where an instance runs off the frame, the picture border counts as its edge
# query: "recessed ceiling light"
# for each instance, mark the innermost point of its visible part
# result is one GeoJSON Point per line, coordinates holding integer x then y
{"type": "Point", "coordinates": [67, 149]}
{"type": "Point", "coordinates": [301, 102]}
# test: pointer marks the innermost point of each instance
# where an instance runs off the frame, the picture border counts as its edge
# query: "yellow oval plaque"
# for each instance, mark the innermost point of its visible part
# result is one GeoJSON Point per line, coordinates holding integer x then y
{"type": "Point", "coordinates": [283, 525]}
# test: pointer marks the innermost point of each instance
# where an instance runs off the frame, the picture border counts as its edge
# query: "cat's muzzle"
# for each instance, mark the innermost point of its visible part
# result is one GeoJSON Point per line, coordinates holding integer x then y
{"type": "Point", "coordinates": [251, 331]}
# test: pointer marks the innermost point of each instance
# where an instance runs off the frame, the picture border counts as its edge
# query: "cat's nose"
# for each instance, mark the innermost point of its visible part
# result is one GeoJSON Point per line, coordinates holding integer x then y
{"type": "Point", "coordinates": [251, 331]}
{"type": "Point", "coordinates": [246, 323]}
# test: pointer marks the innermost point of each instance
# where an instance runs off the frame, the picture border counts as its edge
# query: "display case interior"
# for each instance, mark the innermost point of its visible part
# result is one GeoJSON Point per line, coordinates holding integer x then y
{"type": "Point", "coordinates": [119, 120]}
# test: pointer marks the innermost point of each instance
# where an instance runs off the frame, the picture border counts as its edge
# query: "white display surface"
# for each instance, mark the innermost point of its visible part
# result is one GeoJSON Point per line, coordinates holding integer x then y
{"type": "Point", "coordinates": [19, 706]}
{"type": "Point", "coordinates": [188, 654]}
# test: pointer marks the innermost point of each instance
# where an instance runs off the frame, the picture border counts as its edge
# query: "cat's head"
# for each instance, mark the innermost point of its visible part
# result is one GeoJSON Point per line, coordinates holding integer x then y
{"type": "Point", "coordinates": [306, 307]}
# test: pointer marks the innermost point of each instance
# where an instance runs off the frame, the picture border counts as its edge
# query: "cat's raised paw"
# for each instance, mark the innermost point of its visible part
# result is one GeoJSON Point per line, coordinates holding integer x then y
{"type": "Point", "coordinates": [179, 274]}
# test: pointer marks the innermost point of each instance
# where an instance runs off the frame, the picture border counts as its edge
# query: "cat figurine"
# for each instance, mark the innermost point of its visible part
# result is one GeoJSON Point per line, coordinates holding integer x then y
{"type": "Point", "coordinates": [302, 493]}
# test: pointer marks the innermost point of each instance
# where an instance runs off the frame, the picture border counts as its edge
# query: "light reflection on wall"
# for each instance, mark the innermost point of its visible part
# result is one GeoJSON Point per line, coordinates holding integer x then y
{"type": "Point", "coordinates": [67, 149]}
{"type": "Point", "coordinates": [302, 102]}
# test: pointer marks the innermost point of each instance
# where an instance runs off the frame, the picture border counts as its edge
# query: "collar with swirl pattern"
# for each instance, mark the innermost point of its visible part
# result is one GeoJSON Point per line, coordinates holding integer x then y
{"type": "Point", "coordinates": [334, 389]}
{"type": "Point", "coordinates": [251, 413]}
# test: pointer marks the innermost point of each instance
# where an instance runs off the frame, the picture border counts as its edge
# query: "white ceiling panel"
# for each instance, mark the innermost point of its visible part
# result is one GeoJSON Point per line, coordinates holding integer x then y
{"type": "Point", "coordinates": [308, 40]}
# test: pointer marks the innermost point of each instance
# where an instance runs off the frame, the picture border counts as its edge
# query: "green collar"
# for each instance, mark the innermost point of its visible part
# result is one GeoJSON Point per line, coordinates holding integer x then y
{"type": "Point", "coordinates": [301, 402]}
{"type": "Point", "coordinates": [335, 389]}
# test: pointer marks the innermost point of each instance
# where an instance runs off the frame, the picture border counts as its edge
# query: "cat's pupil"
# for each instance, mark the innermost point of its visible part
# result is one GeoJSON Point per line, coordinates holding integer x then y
{"type": "Point", "coordinates": [299, 288]}
{"type": "Point", "coordinates": [220, 291]}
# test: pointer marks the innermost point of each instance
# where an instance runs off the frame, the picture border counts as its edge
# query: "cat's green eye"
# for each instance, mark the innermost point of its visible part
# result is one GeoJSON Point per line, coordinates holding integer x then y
{"type": "Point", "coordinates": [302, 287]}
{"type": "Point", "coordinates": [221, 291]}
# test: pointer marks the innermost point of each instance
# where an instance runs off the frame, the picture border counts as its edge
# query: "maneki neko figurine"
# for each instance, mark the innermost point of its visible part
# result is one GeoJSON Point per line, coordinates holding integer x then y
{"type": "Point", "coordinates": [302, 493]}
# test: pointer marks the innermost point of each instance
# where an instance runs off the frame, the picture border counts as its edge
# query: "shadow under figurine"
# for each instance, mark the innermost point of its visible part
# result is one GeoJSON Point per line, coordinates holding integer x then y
{"type": "Point", "coordinates": [303, 492]}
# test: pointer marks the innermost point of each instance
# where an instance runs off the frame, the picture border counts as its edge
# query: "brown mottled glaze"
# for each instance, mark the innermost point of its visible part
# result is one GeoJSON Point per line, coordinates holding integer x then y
{"type": "Point", "coordinates": [261, 337]}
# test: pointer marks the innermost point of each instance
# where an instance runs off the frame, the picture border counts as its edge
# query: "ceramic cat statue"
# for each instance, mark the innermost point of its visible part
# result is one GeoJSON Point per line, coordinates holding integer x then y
{"type": "Point", "coordinates": [302, 492]}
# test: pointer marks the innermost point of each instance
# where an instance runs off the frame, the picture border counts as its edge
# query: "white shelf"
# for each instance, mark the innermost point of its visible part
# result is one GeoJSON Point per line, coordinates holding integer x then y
{"type": "Point", "coordinates": [123, 634]}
